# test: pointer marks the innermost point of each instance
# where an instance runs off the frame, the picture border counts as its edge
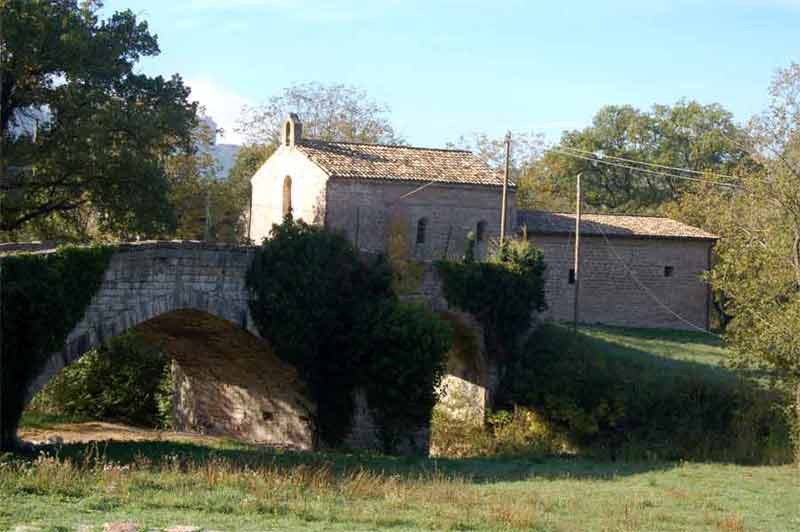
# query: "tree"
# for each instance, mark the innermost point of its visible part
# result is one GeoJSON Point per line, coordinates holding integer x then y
{"type": "Point", "coordinates": [329, 112]}
{"type": "Point", "coordinates": [686, 135]}
{"type": "Point", "coordinates": [81, 132]}
{"type": "Point", "coordinates": [758, 257]}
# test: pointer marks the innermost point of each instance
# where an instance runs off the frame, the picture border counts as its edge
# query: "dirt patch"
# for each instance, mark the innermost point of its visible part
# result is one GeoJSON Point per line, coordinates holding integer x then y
{"type": "Point", "coordinates": [103, 431]}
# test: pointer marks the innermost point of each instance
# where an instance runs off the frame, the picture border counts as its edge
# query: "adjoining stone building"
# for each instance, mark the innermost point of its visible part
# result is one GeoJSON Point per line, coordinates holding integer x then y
{"type": "Point", "coordinates": [637, 271]}
{"type": "Point", "coordinates": [434, 197]}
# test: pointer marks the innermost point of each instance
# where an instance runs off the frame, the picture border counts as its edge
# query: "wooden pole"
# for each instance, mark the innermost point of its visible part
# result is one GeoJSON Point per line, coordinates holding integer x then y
{"type": "Point", "coordinates": [575, 311]}
{"type": "Point", "coordinates": [504, 206]}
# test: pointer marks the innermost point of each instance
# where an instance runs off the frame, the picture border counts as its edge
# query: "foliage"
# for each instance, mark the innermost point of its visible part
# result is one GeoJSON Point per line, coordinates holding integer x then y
{"type": "Point", "coordinates": [328, 112]}
{"type": "Point", "coordinates": [406, 272]}
{"type": "Point", "coordinates": [324, 310]}
{"type": "Point", "coordinates": [526, 148]}
{"type": "Point", "coordinates": [685, 135]}
{"type": "Point", "coordinates": [207, 206]}
{"type": "Point", "coordinates": [125, 380]}
{"type": "Point", "coordinates": [502, 294]}
{"type": "Point", "coordinates": [43, 298]}
{"type": "Point", "coordinates": [756, 271]}
{"type": "Point", "coordinates": [406, 363]}
{"type": "Point", "coordinates": [81, 130]}
{"type": "Point", "coordinates": [638, 407]}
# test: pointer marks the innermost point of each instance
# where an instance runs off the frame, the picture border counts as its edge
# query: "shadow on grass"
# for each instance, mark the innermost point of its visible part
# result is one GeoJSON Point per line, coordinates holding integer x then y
{"type": "Point", "coordinates": [476, 470]}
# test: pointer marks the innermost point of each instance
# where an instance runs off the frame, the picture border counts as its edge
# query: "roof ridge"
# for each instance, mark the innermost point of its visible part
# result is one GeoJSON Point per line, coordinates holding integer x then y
{"type": "Point", "coordinates": [455, 150]}
{"type": "Point", "coordinates": [570, 213]}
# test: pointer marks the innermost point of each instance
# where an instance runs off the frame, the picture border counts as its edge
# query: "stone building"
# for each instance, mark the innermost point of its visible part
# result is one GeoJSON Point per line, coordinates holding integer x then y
{"type": "Point", "coordinates": [432, 197]}
{"type": "Point", "coordinates": [638, 271]}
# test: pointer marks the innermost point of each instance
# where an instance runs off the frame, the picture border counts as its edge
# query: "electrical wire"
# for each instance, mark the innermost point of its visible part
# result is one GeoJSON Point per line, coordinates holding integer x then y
{"type": "Point", "coordinates": [645, 170]}
{"type": "Point", "coordinates": [647, 290]}
{"type": "Point", "coordinates": [726, 176]}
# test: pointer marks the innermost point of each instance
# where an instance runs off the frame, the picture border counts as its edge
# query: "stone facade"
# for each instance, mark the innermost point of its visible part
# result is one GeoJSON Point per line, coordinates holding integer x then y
{"type": "Point", "coordinates": [670, 269]}
{"type": "Point", "coordinates": [432, 198]}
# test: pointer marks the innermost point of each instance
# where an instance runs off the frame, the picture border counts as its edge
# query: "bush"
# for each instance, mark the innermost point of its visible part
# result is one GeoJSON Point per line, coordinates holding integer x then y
{"type": "Point", "coordinates": [632, 408]}
{"type": "Point", "coordinates": [125, 380]}
{"type": "Point", "coordinates": [333, 316]}
{"type": "Point", "coordinates": [502, 294]}
{"type": "Point", "coordinates": [408, 345]}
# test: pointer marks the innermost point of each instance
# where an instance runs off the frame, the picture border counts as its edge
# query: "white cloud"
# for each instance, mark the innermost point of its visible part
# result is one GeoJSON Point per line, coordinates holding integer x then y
{"type": "Point", "coordinates": [222, 104]}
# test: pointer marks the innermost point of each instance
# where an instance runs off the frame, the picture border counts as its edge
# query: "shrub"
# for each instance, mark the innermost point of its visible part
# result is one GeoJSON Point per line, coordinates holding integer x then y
{"type": "Point", "coordinates": [334, 317]}
{"type": "Point", "coordinates": [502, 294]}
{"type": "Point", "coordinates": [406, 364]}
{"type": "Point", "coordinates": [125, 380]}
{"type": "Point", "coordinates": [635, 408]}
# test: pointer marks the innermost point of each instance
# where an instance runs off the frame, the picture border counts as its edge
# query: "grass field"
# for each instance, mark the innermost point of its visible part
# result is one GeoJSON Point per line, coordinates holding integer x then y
{"type": "Point", "coordinates": [222, 485]}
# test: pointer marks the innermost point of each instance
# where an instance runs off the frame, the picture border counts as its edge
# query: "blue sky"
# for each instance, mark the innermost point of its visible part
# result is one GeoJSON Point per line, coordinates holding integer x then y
{"type": "Point", "coordinates": [451, 67]}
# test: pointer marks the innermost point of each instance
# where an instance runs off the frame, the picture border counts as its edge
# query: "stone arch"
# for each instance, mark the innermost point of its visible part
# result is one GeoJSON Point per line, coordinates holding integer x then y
{"type": "Point", "coordinates": [146, 280]}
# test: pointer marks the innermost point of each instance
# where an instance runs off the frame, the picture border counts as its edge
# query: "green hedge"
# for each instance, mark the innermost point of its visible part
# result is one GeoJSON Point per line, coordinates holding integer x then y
{"type": "Point", "coordinates": [43, 297]}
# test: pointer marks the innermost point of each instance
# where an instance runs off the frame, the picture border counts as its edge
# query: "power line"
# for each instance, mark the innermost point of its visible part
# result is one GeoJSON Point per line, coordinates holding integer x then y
{"type": "Point", "coordinates": [697, 172]}
{"type": "Point", "coordinates": [637, 169]}
{"type": "Point", "coordinates": [647, 290]}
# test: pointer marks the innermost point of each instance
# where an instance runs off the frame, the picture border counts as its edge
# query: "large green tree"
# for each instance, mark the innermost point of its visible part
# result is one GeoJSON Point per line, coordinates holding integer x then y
{"type": "Point", "coordinates": [81, 131]}
{"type": "Point", "coordinates": [758, 256]}
{"type": "Point", "coordinates": [686, 135]}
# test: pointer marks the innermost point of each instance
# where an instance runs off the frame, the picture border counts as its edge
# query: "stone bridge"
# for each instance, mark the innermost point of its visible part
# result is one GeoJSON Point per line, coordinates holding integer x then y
{"type": "Point", "coordinates": [191, 297]}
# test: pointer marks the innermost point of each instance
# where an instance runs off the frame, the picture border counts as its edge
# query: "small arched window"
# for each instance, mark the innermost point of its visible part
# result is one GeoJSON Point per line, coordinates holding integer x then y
{"type": "Point", "coordinates": [422, 229]}
{"type": "Point", "coordinates": [287, 195]}
{"type": "Point", "coordinates": [287, 133]}
{"type": "Point", "coordinates": [480, 231]}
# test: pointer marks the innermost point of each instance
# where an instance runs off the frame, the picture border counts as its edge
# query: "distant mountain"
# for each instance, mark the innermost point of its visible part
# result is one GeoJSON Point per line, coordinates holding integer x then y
{"type": "Point", "coordinates": [225, 155]}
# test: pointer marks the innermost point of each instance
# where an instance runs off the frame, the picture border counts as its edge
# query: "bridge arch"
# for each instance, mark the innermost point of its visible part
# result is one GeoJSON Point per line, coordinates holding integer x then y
{"type": "Point", "coordinates": [148, 279]}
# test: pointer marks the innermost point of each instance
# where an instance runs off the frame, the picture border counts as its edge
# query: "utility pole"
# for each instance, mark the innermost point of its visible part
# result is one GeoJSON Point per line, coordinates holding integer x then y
{"type": "Point", "coordinates": [578, 198]}
{"type": "Point", "coordinates": [503, 213]}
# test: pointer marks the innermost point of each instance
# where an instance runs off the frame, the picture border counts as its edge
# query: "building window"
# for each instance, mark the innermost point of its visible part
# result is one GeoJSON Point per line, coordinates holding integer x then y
{"type": "Point", "coordinates": [422, 228]}
{"type": "Point", "coordinates": [668, 271]}
{"type": "Point", "coordinates": [480, 232]}
{"type": "Point", "coordinates": [287, 134]}
{"type": "Point", "coordinates": [287, 195]}
{"type": "Point", "coordinates": [571, 278]}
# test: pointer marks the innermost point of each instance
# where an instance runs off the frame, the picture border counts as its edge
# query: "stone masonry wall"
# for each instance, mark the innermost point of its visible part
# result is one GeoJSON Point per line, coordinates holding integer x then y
{"type": "Point", "coordinates": [608, 293]}
{"type": "Point", "coordinates": [365, 210]}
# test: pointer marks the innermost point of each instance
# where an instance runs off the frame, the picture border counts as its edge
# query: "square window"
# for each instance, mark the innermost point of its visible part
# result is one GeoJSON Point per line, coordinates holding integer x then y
{"type": "Point", "coordinates": [668, 271]}
{"type": "Point", "coordinates": [571, 279]}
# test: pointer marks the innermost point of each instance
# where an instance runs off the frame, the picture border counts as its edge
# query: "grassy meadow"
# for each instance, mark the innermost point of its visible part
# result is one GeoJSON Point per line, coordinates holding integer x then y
{"type": "Point", "coordinates": [164, 480]}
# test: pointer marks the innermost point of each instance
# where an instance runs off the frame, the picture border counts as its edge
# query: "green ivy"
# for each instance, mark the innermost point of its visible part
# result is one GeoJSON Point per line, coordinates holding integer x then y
{"type": "Point", "coordinates": [502, 293]}
{"type": "Point", "coordinates": [332, 314]}
{"type": "Point", "coordinates": [43, 297]}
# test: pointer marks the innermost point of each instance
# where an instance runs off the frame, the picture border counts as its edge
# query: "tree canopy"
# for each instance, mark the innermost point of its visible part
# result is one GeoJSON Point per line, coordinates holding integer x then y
{"type": "Point", "coordinates": [81, 131]}
{"type": "Point", "coordinates": [329, 112]}
{"type": "Point", "coordinates": [686, 135]}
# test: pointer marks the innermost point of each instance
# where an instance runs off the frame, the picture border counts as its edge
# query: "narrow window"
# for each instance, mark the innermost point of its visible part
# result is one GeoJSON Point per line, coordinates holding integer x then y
{"type": "Point", "coordinates": [422, 227]}
{"type": "Point", "coordinates": [668, 271]}
{"type": "Point", "coordinates": [287, 195]}
{"type": "Point", "coordinates": [480, 232]}
{"type": "Point", "coordinates": [287, 134]}
{"type": "Point", "coordinates": [571, 278]}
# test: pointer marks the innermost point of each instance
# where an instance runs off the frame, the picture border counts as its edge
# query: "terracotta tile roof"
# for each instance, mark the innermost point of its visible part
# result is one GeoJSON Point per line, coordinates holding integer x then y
{"type": "Point", "coordinates": [404, 163]}
{"type": "Point", "coordinates": [542, 222]}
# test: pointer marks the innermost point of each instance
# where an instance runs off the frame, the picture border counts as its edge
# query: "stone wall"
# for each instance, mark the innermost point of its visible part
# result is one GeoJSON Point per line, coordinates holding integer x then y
{"type": "Point", "coordinates": [229, 383]}
{"type": "Point", "coordinates": [307, 191]}
{"type": "Point", "coordinates": [608, 293]}
{"type": "Point", "coordinates": [366, 210]}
